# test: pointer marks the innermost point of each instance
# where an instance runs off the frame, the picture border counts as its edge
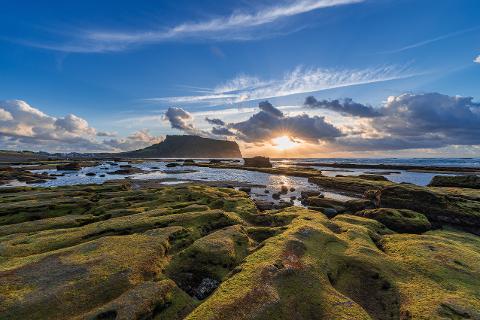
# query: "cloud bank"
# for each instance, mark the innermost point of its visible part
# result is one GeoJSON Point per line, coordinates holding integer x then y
{"type": "Point", "coordinates": [407, 121]}
{"type": "Point", "coordinates": [25, 127]}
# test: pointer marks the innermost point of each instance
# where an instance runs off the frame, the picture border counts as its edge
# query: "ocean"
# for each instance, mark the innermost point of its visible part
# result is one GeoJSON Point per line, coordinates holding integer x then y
{"type": "Point", "coordinates": [442, 162]}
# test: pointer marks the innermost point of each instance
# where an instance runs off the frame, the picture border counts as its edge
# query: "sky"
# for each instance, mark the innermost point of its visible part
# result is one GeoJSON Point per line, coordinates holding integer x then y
{"type": "Point", "coordinates": [285, 78]}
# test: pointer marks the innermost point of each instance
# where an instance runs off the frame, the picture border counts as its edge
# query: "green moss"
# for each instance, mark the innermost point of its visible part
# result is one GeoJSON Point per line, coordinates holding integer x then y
{"type": "Point", "coordinates": [347, 268]}
{"type": "Point", "coordinates": [442, 208]}
{"type": "Point", "coordinates": [150, 253]}
{"type": "Point", "coordinates": [352, 185]}
{"type": "Point", "coordinates": [210, 257]}
{"type": "Point", "coordinates": [399, 220]}
{"type": "Point", "coordinates": [260, 234]}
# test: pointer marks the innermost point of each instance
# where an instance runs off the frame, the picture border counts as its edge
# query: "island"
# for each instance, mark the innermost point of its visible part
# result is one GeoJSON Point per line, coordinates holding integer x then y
{"type": "Point", "coordinates": [188, 146]}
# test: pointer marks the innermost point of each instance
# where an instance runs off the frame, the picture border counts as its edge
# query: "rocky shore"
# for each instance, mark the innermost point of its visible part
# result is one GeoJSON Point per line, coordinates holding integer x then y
{"type": "Point", "coordinates": [132, 250]}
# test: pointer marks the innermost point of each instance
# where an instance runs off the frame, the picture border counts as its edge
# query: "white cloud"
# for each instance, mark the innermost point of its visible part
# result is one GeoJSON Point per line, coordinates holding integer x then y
{"type": "Point", "coordinates": [300, 80]}
{"type": "Point", "coordinates": [237, 26]}
{"type": "Point", "coordinates": [26, 127]}
{"type": "Point", "coordinates": [135, 141]}
{"type": "Point", "coordinates": [75, 124]}
{"type": "Point", "coordinates": [5, 115]}
{"type": "Point", "coordinates": [477, 59]}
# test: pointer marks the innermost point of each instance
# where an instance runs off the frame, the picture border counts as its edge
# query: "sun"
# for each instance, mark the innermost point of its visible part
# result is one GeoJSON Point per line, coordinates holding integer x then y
{"type": "Point", "coordinates": [283, 143]}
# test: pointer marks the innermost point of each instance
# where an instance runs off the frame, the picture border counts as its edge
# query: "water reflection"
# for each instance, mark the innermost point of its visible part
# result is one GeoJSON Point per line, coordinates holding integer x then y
{"type": "Point", "coordinates": [182, 174]}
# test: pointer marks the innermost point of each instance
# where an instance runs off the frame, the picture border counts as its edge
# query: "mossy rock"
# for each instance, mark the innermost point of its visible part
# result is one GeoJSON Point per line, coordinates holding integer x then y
{"type": "Point", "coordinates": [209, 258]}
{"type": "Point", "coordinates": [398, 220]}
{"type": "Point", "coordinates": [351, 185]}
{"type": "Point", "coordinates": [439, 207]}
{"type": "Point", "coordinates": [373, 177]}
{"type": "Point", "coordinates": [346, 269]}
{"type": "Point", "coordinates": [465, 181]}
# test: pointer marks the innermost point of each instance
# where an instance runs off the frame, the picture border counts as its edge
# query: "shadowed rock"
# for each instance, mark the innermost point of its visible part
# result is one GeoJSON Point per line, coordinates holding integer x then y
{"type": "Point", "coordinates": [257, 162]}
{"type": "Point", "coordinates": [466, 181]}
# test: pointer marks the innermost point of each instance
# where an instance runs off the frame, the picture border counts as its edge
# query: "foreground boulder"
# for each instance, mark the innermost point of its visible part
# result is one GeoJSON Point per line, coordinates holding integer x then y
{"type": "Point", "coordinates": [466, 181]}
{"type": "Point", "coordinates": [257, 162]}
{"type": "Point", "coordinates": [398, 220]}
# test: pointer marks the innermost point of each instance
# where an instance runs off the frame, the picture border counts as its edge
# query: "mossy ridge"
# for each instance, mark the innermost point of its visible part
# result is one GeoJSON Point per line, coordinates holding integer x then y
{"type": "Point", "coordinates": [463, 181]}
{"type": "Point", "coordinates": [447, 273]}
{"type": "Point", "coordinates": [258, 290]}
{"type": "Point", "coordinates": [350, 268]}
{"type": "Point", "coordinates": [459, 207]}
{"type": "Point", "coordinates": [18, 245]}
{"type": "Point", "coordinates": [440, 208]}
{"type": "Point", "coordinates": [114, 199]}
{"type": "Point", "coordinates": [399, 220]}
{"type": "Point", "coordinates": [349, 185]}
{"type": "Point", "coordinates": [87, 276]}
{"type": "Point", "coordinates": [210, 257]}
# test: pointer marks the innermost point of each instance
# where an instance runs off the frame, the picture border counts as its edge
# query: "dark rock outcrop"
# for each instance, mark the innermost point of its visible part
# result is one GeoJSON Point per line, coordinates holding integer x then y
{"type": "Point", "coordinates": [467, 181]}
{"type": "Point", "coordinates": [321, 202]}
{"type": "Point", "coordinates": [72, 166]}
{"type": "Point", "coordinates": [188, 147]}
{"type": "Point", "coordinates": [127, 171]}
{"type": "Point", "coordinates": [257, 162]}
{"type": "Point", "coordinates": [310, 193]}
{"type": "Point", "coordinates": [373, 177]}
{"type": "Point", "coordinates": [172, 165]}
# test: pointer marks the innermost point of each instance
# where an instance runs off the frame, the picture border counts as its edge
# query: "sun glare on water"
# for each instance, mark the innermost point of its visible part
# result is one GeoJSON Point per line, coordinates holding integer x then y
{"type": "Point", "coordinates": [283, 143]}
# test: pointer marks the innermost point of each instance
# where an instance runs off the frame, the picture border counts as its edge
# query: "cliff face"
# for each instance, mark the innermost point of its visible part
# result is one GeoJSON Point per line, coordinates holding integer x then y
{"type": "Point", "coordinates": [189, 147]}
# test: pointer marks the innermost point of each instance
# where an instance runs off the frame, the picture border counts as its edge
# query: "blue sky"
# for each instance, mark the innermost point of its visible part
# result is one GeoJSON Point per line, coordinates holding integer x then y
{"type": "Point", "coordinates": [119, 65]}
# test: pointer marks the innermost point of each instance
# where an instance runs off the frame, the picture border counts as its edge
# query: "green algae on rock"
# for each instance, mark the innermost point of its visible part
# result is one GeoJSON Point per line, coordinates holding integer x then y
{"type": "Point", "coordinates": [117, 251]}
{"type": "Point", "coordinates": [350, 268]}
{"type": "Point", "coordinates": [399, 220]}
{"type": "Point", "coordinates": [440, 208]}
